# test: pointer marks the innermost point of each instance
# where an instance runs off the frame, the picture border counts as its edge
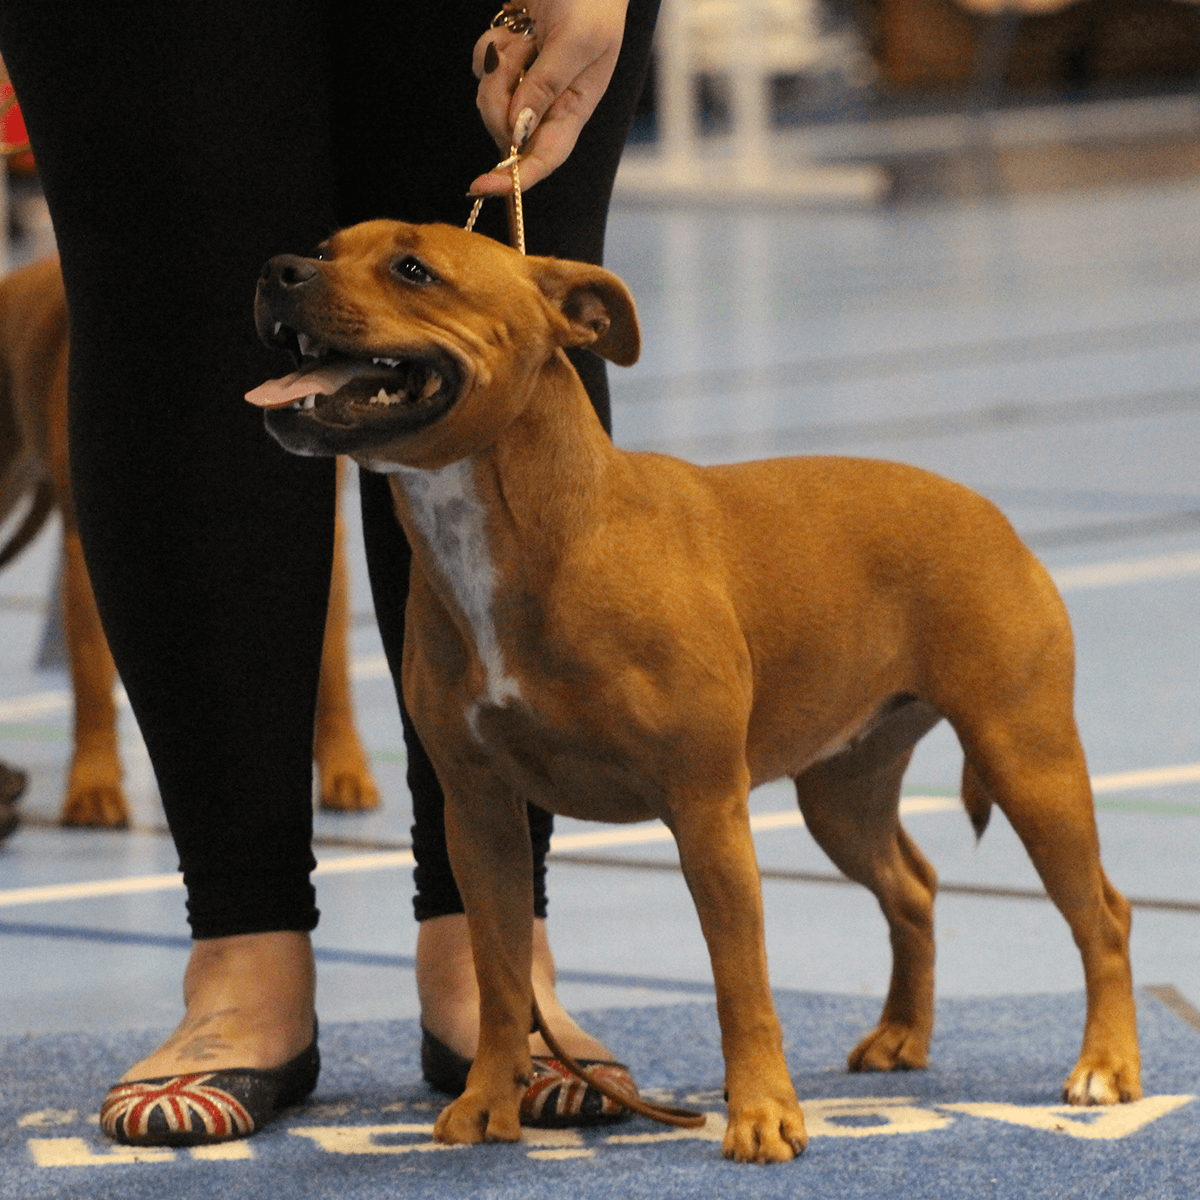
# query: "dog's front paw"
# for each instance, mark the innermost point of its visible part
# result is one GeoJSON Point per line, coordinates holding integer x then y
{"type": "Point", "coordinates": [765, 1131]}
{"type": "Point", "coordinates": [98, 805]}
{"type": "Point", "coordinates": [1102, 1080]}
{"type": "Point", "coordinates": [472, 1118]}
{"type": "Point", "coordinates": [890, 1046]}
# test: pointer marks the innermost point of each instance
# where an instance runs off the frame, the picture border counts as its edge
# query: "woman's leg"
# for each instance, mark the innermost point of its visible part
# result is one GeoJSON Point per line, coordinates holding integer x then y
{"type": "Point", "coordinates": [180, 145]}
{"type": "Point", "coordinates": [408, 148]}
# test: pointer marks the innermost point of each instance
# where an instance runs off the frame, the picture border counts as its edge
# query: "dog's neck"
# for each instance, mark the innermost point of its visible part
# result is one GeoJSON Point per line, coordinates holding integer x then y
{"type": "Point", "coordinates": [483, 527]}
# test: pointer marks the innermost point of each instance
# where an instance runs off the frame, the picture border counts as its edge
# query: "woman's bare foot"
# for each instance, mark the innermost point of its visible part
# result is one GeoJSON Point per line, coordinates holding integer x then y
{"type": "Point", "coordinates": [449, 994]}
{"type": "Point", "coordinates": [249, 1002]}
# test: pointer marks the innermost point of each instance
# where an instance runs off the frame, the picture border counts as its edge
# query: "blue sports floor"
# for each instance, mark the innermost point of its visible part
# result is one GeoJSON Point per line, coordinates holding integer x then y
{"type": "Point", "coordinates": [1029, 325]}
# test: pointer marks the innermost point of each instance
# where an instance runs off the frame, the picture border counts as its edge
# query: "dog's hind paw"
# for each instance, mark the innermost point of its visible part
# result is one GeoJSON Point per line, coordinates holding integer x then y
{"type": "Point", "coordinates": [349, 791]}
{"type": "Point", "coordinates": [890, 1046]}
{"type": "Point", "coordinates": [96, 806]}
{"type": "Point", "coordinates": [1094, 1084]}
{"type": "Point", "coordinates": [763, 1133]}
{"type": "Point", "coordinates": [344, 772]}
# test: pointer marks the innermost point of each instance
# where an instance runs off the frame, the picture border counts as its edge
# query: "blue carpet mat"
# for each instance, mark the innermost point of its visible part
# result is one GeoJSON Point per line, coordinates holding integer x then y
{"type": "Point", "coordinates": [982, 1121]}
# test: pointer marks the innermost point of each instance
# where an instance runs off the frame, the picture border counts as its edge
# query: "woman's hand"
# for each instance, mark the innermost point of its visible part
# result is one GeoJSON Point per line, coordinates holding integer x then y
{"type": "Point", "coordinates": [567, 65]}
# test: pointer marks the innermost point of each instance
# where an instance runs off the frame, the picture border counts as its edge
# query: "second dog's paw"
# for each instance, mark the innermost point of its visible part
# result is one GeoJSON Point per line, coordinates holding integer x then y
{"type": "Point", "coordinates": [349, 791]}
{"type": "Point", "coordinates": [1102, 1083]}
{"type": "Point", "coordinates": [890, 1047]}
{"type": "Point", "coordinates": [469, 1120]}
{"type": "Point", "coordinates": [97, 806]}
{"type": "Point", "coordinates": [344, 772]}
{"type": "Point", "coordinates": [763, 1132]}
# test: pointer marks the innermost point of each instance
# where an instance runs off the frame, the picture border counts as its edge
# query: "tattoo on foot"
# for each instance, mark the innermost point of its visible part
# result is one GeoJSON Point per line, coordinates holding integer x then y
{"type": "Point", "coordinates": [207, 1045]}
{"type": "Point", "coordinates": [188, 1042]}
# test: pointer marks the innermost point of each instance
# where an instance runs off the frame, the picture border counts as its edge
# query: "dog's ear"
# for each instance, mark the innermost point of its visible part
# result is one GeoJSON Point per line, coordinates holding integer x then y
{"type": "Point", "coordinates": [595, 305]}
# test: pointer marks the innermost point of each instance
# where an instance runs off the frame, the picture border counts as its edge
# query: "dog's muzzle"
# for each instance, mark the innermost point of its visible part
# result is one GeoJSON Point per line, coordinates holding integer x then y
{"type": "Point", "coordinates": [341, 399]}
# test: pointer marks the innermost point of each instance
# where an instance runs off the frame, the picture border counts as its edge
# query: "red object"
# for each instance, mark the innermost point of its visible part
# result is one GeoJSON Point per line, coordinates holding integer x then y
{"type": "Point", "coordinates": [12, 132]}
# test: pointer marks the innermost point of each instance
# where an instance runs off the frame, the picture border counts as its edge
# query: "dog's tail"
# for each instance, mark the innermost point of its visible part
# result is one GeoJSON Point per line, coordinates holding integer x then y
{"type": "Point", "coordinates": [31, 525]}
{"type": "Point", "coordinates": [976, 798]}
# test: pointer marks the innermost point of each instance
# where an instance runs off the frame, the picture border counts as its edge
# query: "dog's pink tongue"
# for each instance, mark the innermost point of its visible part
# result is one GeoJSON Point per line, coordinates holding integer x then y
{"type": "Point", "coordinates": [319, 378]}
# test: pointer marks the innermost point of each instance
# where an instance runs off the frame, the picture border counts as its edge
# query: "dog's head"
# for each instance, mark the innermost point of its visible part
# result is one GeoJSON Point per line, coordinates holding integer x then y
{"type": "Point", "coordinates": [417, 344]}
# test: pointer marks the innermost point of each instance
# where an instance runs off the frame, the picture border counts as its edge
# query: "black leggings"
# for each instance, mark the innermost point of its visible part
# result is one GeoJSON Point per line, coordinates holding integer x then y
{"type": "Point", "coordinates": [180, 145]}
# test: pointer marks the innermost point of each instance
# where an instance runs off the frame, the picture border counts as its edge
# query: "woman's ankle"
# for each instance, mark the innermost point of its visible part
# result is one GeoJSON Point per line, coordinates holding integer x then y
{"type": "Point", "coordinates": [249, 1002]}
{"type": "Point", "coordinates": [449, 995]}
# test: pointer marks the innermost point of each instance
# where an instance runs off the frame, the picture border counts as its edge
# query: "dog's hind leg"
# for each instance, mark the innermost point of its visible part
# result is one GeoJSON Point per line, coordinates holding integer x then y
{"type": "Point", "coordinates": [854, 818]}
{"type": "Point", "coordinates": [1034, 767]}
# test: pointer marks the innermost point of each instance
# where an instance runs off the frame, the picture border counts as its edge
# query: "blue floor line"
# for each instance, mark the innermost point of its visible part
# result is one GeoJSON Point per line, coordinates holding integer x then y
{"type": "Point", "coordinates": [80, 933]}
{"type": "Point", "coordinates": [361, 958]}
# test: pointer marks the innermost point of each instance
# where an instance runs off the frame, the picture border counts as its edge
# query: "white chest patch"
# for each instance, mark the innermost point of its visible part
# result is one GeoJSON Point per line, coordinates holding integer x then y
{"type": "Point", "coordinates": [451, 520]}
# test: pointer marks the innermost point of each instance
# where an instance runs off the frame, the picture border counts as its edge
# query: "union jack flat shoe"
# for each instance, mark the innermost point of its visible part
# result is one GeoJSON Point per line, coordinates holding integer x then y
{"type": "Point", "coordinates": [555, 1099]}
{"type": "Point", "coordinates": [206, 1106]}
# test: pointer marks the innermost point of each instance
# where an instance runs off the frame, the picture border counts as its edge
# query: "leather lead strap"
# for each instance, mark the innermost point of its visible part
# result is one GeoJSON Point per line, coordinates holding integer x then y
{"type": "Point", "coordinates": [684, 1118]}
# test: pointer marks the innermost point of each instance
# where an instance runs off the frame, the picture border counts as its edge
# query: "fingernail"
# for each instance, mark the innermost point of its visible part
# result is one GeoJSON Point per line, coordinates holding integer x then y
{"type": "Point", "coordinates": [524, 127]}
{"type": "Point", "coordinates": [491, 59]}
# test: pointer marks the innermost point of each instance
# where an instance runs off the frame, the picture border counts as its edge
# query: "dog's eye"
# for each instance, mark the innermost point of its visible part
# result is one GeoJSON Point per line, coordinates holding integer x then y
{"type": "Point", "coordinates": [412, 270]}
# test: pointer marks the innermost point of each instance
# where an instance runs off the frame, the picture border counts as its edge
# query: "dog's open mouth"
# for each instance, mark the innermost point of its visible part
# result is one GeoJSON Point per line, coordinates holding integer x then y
{"type": "Point", "coordinates": [342, 383]}
{"type": "Point", "coordinates": [337, 402]}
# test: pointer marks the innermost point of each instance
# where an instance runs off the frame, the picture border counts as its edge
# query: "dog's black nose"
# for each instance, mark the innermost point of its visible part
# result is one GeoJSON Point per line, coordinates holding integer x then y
{"type": "Point", "coordinates": [289, 271]}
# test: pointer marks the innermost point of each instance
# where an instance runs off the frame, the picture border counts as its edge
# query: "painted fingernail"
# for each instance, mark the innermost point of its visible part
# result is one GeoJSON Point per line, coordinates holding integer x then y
{"type": "Point", "coordinates": [526, 120]}
{"type": "Point", "coordinates": [491, 59]}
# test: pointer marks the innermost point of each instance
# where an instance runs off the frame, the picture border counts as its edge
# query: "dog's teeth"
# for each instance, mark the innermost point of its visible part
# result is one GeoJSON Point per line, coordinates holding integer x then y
{"type": "Point", "coordinates": [278, 327]}
{"type": "Point", "coordinates": [310, 402]}
{"type": "Point", "coordinates": [432, 384]}
{"type": "Point", "coordinates": [308, 347]}
{"type": "Point", "coordinates": [381, 397]}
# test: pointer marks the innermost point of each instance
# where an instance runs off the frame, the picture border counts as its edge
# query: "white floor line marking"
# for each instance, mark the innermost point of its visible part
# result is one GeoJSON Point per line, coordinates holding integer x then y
{"type": "Point", "coordinates": [38, 704]}
{"type": "Point", "coordinates": [377, 861]}
{"type": "Point", "coordinates": [625, 835]}
{"type": "Point", "coordinates": [611, 836]}
{"type": "Point", "coordinates": [1152, 777]}
{"type": "Point", "coordinates": [90, 890]}
{"type": "Point", "coordinates": [1159, 568]}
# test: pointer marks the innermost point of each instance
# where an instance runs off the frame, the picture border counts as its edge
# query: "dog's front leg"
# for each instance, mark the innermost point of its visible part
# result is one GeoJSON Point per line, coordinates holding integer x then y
{"type": "Point", "coordinates": [717, 854]}
{"type": "Point", "coordinates": [487, 834]}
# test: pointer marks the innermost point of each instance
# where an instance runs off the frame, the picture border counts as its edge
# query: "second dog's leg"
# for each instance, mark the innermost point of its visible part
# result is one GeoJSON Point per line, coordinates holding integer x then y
{"type": "Point", "coordinates": [94, 795]}
{"type": "Point", "coordinates": [855, 821]}
{"type": "Point", "coordinates": [343, 767]}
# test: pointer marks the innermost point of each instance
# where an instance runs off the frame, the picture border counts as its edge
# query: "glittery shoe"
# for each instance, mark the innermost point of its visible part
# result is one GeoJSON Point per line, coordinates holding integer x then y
{"type": "Point", "coordinates": [206, 1106]}
{"type": "Point", "coordinates": [555, 1099]}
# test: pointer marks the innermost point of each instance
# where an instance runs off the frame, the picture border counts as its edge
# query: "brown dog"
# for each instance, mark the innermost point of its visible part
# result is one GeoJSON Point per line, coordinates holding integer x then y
{"type": "Point", "coordinates": [33, 463]}
{"type": "Point", "coordinates": [623, 636]}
